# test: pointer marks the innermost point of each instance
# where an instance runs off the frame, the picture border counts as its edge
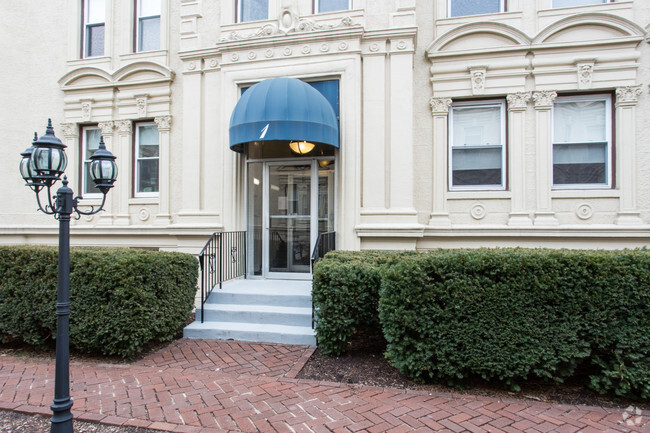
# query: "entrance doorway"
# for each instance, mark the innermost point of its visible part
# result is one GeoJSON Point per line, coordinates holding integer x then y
{"type": "Point", "coordinates": [289, 203]}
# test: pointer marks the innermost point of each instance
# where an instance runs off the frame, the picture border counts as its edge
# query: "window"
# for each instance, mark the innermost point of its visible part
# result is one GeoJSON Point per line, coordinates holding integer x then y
{"type": "Point", "coordinates": [321, 6]}
{"type": "Point", "coordinates": [569, 3]}
{"type": "Point", "coordinates": [477, 137]}
{"type": "Point", "coordinates": [147, 25]}
{"type": "Point", "coordinates": [252, 10]}
{"type": "Point", "coordinates": [147, 151]}
{"type": "Point", "coordinates": [582, 141]}
{"type": "Point", "coordinates": [459, 8]}
{"type": "Point", "coordinates": [90, 136]}
{"type": "Point", "coordinates": [93, 33]}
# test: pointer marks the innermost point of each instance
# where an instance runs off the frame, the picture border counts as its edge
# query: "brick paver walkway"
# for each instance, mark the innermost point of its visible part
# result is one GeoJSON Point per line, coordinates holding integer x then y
{"type": "Point", "coordinates": [201, 386]}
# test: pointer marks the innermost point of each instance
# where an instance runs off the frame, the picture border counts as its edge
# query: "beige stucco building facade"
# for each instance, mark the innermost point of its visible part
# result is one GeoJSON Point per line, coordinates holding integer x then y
{"type": "Point", "coordinates": [524, 126]}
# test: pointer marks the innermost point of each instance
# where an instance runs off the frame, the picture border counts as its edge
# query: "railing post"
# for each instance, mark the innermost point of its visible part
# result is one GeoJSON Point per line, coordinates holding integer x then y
{"type": "Point", "coordinates": [220, 260]}
{"type": "Point", "coordinates": [201, 258]}
{"type": "Point", "coordinates": [244, 239]}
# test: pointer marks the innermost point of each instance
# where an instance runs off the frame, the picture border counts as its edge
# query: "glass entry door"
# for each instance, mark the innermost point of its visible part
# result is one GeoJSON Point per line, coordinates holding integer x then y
{"type": "Point", "coordinates": [289, 204]}
{"type": "Point", "coordinates": [289, 218]}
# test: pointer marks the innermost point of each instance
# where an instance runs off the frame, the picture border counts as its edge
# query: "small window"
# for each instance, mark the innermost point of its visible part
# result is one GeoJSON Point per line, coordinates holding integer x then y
{"type": "Point", "coordinates": [321, 6]}
{"type": "Point", "coordinates": [459, 8]}
{"type": "Point", "coordinates": [148, 25]}
{"type": "Point", "coordinates": [147, 152]}
{"type": "Point", "coordinates": [569, 3]}
{"type": "Point", "coordinates": [94, 12]}
{"type": "Point", "coordinates": [477, 137]}
{"type": "Point", "coordinates": [90, 136]}
{"type": "Point", "coordinates": [582, 141]}
{"type": "Point", "coordinates": [252, 10]}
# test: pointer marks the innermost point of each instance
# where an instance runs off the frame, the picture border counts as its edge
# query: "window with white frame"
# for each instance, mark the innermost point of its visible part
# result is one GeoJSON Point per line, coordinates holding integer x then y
{"type": "Point", "coordinates": [321, 6]}
{"type": "Point", "coordinates": [477, 145]}
{"type": "Point", "coordinates": [252, 10]}
{"type": "Point", "coordinates": [148, 25]}
{"type": "Point", "coordinates": [569, 3]}
{"type": "Point", "coordinates": [94, 17]}
{"type": "Point", "coordinates": [459, 8]}
{"type": "Point", "coordinates": [90, 136]}
{"type": "Point", "coordinates": [147, 155]}
{"type": "Point", "coordinates": [582, 137]}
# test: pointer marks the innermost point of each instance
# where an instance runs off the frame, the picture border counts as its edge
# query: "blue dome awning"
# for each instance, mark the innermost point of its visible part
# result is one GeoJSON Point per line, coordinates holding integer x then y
{"type": "Point", "coordinates": [283, 109]}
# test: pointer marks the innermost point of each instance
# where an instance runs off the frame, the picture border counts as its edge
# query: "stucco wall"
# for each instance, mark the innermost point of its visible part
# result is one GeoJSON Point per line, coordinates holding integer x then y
{"type": "Point", "coordinates": [392, 57]}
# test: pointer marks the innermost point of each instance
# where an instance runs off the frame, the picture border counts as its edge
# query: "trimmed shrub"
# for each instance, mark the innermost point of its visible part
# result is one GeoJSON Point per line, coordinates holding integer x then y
{"type": "Point", "coordinates": [121, 299]}
{"type": "Point", "coordinates": [346, 296]}
{"type": "Point", "coordinates": [513, 314]}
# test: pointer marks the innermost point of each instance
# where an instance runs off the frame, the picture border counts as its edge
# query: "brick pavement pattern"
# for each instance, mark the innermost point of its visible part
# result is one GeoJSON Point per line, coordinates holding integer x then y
{"type": "Point", "coordinates": [201, 386]}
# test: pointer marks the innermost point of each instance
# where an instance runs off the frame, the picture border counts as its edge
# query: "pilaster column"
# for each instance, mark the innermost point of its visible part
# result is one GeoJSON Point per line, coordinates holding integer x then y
{"type": "Point", "coordinates": [106, 217]}
{"type": "Point", "coordinates": [192, 139]}
{"type": "Point", "coordinates": [401, 129]}
{"type": "Point", "coordinates": [544, 214]}
{"type": "Point", "coordinates": [375, 182]}
{"type": "Point", "coordinates": [440, 112]}
{"type": "Point", "coordinates": [164, 171]}
{"type": "Point", "coordinates": [626, 100]}
{"type": "Point", "coordinates": [121, 190]}
{"type": "Point", "coordinates": [517, 105]}
{"type": "Point", "coordinates": [212, 197]}
{"type": "Point", "coordinates": [71, 140]}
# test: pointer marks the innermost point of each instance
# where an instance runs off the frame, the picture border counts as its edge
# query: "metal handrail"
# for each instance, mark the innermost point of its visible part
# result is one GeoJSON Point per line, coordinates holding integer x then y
{"type": "Point", "coordinates": [223, 258]}
{"type": "Point", "coordinates": [325, 243]}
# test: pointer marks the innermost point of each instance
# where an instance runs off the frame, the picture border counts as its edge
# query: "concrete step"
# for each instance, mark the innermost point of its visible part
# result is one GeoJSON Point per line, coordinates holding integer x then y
{"type": "Point", "coordinates": [276, 311]}
{"type": "Point", "coordinates": [260, 314]}
{"type": "Point", "coordinates": [251, 332]}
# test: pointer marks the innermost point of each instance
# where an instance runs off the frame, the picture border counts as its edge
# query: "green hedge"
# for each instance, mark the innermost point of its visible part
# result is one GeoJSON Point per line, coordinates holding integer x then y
{"type": "Point", "coordinates": [346, 296]}
{"type": "Point", "coordinates": [503, 315]}
{"type": "Point", "coordinates": [121, 299]}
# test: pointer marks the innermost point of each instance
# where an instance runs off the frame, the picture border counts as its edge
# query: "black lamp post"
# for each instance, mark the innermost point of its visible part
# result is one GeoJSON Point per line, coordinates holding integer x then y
{"type": "Point", "coordinates": [41, 167]}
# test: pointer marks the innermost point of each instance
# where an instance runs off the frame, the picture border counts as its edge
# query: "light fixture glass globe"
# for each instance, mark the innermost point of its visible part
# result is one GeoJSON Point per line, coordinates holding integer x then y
{"type": "Point", "coordinates": [301, 147]}
{"type": "Point", "coordinates": [103, 170]}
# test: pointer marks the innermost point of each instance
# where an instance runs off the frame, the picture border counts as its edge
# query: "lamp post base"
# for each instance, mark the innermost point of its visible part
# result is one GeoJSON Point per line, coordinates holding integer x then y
{"type": "Point", "coordinates": [62, 418]}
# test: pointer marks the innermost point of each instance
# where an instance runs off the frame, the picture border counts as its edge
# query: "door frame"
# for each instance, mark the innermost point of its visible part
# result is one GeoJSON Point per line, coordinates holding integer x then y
{"type": "Point", "coordinates": [266, 217]}
{"type": "Point", "coordinates": [266, 163]}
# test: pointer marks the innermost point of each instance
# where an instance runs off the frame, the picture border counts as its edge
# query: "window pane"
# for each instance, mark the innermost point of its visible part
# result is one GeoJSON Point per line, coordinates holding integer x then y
{"type": "Point", "coordinates": [148, 141]}
{"type": "Point", "coordinates": [149, 8]}
{"type": "Point", "coordinates": [333, 5]}
{"type": "Point", "coordinates": [95, 11]}
{"type": "Point", "coordinates": [584, 163]}
{"type": "Point", "coordinates": [147, 162]}
{"type": "Point", "coordinates": [473, 7]}
{"type": "Point", "coordinates": [567, 3]}
{"type": "Point", "coordinates": [149, 34]}
{"type": "Point", "coordinates": [148, 175]}
{"type": "Point", "coordinates": [579, 121]}
{"type": "Point", "coordinates": [252, 10]}
{"type": "Point", "coordinates": [472, 166]}
{"type": "Point", "coordinates": [91, 144]}
{"type": "Point", "coordinates": [95, 40]}
{"type": "Point", "coordinates": [476, 126]}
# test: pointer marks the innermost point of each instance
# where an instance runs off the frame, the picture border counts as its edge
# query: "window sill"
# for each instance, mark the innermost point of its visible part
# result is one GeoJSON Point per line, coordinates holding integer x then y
{"type": "Point", "coordinates": [599, 7]}
{"type": "Point", "coordinates": [144, 200]}
{"type": "Point", "coordinates": [585, 193]}
{"type": "Point", "coordinates": [495, 16]}
{"type": "Point", "coordinates": [89, 61]}
{"type": "Point", "coordinates": [479, 195]}
{"type": "Point", "coordinates": [160, 55]}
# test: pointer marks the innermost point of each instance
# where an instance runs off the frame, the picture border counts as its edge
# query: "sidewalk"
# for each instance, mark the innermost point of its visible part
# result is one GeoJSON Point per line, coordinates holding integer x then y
{"type": "Point", "coordinates": [201, 386]}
